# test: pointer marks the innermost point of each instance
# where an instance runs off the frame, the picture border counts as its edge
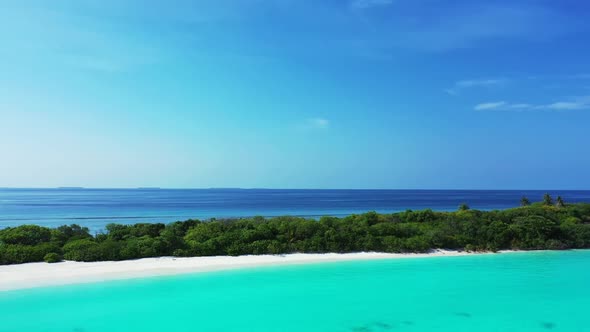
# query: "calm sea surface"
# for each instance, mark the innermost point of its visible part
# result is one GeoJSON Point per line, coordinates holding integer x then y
{"type": "Point", "coordinates": [520, 292]}
{"type": "Point", "coordinates": [97, 207]}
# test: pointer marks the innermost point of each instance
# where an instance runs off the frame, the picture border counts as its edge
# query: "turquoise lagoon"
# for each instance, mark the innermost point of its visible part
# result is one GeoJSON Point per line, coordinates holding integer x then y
{"type": "Point", "coordinates": [527, 291]}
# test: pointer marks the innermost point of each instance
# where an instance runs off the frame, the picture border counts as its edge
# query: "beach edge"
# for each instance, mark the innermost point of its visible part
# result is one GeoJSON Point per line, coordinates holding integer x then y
{"type": "Point", "coordinates": [35, 275]}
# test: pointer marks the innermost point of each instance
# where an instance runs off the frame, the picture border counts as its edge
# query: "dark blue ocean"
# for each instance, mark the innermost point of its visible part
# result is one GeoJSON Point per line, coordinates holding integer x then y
{"type": "Point", "coordinates": [95, 208]}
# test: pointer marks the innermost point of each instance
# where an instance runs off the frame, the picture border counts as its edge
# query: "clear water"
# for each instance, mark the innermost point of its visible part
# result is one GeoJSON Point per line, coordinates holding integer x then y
{"type": "Point", "coordinates": [95, 208]}
{"type": "Point", "coordinates": [534, 291]}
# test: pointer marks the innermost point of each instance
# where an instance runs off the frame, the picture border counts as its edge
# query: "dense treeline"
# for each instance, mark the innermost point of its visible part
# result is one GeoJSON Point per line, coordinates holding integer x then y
{"type": "Point", "coordinates": [546, 225]}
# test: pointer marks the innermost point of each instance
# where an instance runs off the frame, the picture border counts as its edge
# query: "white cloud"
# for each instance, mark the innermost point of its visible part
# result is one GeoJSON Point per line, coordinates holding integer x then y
{"type": "Point", "coordinates": [490, 106]}
{"type": "Point", "coordinates": [520, 106]}
{"type": "Point", "coordinates": [472, 83]}
{"type": "Point", "coordinates": [318, 123]}
{"type": "Point", "coordinates": [467, 84]}
{"type": "Point", "coordinates": [578, 103]}
{"type": "Point", "coordinates": [566, 105]}
{"type": "Point", "coordinates": [364, 4]}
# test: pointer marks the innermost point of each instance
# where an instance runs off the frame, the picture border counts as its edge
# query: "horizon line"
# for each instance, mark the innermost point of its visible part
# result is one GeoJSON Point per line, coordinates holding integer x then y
{"type": "Point", "coordinates": [270, 188]}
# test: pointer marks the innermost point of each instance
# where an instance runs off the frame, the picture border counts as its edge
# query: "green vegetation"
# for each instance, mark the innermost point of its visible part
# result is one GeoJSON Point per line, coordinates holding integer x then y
{"type": "Point", "coordinates": [547, 200]}
{"type": "Point", "coordinates": [535, 226]}
{"type": "Point", "coordinates": [52, 258]}
{"type": "Point", "coordinates": [559, 202]}
{"type": "Point", "coordinates": [463, 207]}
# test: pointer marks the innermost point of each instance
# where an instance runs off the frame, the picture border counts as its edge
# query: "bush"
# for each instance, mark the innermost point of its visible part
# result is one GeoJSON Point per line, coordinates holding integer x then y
{"type": "Point", "coordinates": [180, 253]}
{"type": "Point", "coordinates": [470, 248]}
{"type": "Point", "coordinates": [29, 235]}
{"type": "Point", "coordinates": [141, 247]}
{"type": "Point", "coordinates": [84, 250]}
{"type": "Point", "coordinates": [532, 232]}
{"type": "Point", "coordinates": [52, 258]}
{"type": "Point", "coordinates": [66, 233]}
{"type": "Point", "coordinates": [416, 244]}
{"type": "Point", "coordinates": [18, 254]}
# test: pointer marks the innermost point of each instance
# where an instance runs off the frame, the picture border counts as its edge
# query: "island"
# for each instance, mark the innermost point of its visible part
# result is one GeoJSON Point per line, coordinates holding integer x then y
{"type": "Point", "coordinates": [547, 224]}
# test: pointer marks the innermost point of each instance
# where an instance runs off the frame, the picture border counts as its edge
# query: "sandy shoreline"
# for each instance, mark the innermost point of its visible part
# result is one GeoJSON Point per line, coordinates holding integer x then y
{"type": "Point", "coordinates": [33, 275]}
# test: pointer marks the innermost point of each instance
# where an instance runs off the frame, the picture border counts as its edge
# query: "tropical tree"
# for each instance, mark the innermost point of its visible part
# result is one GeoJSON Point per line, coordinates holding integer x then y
{"type": "Point", "coordinates": [547, 200]}
{"type": "Point", "coordinates": [463, 207]}
{"type": "Point", "coordinates": [524, 201]}
{"type": "Point", "coordinates": [559, 202]}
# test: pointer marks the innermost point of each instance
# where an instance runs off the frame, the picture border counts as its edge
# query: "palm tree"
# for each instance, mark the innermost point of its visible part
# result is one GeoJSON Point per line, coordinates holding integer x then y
{"type": "Point", "coordinates": [559, 202]}
{"type": "Point", "coordinates": [547, 200]}
{"type": "Point", "coordinates": [524, 201]}
{"type": "Point", "coordinates": [463, 207]}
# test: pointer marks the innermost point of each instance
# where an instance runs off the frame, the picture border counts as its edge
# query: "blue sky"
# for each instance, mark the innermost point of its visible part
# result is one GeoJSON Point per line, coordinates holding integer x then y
{"type": "Point", "coordinates": [295, 94]}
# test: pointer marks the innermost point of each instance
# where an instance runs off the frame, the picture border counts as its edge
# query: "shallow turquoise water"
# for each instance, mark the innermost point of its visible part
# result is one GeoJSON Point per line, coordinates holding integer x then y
{"type": "Point", "coordinates": [538, 291]}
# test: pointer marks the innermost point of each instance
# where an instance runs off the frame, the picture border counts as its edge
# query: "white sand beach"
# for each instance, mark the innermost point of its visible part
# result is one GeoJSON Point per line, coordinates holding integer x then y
{"type": "Point", "coordinates": [32, 275]}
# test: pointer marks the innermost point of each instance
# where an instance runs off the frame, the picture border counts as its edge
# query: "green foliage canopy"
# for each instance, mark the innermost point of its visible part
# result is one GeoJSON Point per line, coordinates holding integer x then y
{"type": "Point", "coordinates": [535, 226]}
